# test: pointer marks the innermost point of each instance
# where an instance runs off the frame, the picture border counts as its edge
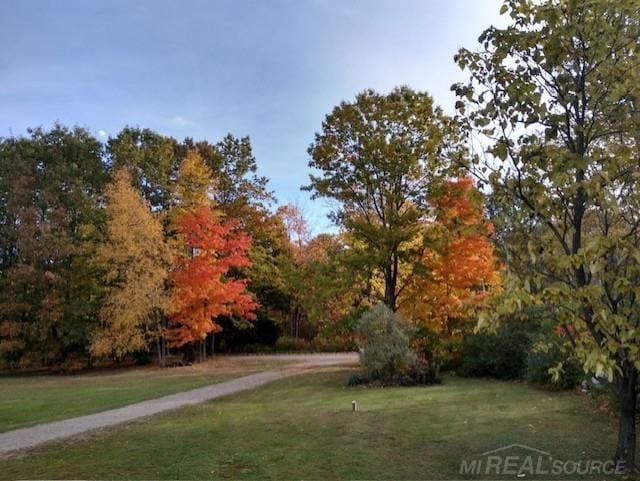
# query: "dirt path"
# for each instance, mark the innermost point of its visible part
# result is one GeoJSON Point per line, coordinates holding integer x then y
{"type": "Point", "coordinates": [42, 433]}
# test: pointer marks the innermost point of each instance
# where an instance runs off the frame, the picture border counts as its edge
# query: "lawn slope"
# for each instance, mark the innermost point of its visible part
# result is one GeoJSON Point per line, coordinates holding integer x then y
{"type": "Point", "coordinates": [303, 428]}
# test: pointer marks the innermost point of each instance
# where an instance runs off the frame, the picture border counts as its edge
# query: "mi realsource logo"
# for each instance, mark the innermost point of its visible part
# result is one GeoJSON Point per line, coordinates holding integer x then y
{"type": "Point", "coordinates": [521, 461]}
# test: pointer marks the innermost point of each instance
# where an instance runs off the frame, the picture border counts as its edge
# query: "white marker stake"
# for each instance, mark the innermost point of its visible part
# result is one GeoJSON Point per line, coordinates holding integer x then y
{"type": "Point", "coordinates": [354, 406]}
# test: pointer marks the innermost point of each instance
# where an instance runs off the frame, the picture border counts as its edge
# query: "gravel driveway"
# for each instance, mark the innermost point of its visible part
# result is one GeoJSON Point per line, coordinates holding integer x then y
{"type": "Point", "coordinates": [42, 433]}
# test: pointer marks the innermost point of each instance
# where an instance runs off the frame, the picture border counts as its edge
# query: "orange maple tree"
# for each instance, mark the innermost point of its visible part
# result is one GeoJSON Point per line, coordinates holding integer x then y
{"type": "Point", "coordinates": [460, 264]}
{"type": "Point", "coordinates": [202, 287]}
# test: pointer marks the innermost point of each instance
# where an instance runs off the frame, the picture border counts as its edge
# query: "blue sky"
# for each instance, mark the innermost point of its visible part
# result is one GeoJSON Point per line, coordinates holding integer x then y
{"type": "Point", "coordinates": [270, 69]}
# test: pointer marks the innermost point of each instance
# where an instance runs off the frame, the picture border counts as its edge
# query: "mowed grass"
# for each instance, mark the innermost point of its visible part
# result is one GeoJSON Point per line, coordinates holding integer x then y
{"type": "Point", "coordinates": [303, 428]}
{"type": "Point", "coordinates": [29, 400]}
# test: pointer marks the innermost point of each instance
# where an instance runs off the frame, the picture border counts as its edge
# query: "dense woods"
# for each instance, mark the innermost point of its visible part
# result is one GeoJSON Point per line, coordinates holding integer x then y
{"type": "Point", "coordinates": [147, 245]}
{"type": "Point", "coordinates": [101, 242]}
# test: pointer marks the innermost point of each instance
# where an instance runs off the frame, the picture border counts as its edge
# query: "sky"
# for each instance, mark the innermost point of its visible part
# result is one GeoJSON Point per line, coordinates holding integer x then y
{"type": "Point", "coordinates": [269, 69]}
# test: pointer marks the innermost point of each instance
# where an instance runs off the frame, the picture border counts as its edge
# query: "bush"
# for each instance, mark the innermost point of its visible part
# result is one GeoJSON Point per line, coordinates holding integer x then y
{"type": "Point", "coordinates": [334, 344]}
{"type": "Point", "coordinates": [257, 349]}
{"type": "Point", "coordinates": [434, 353]}
{"type": "Point", "coordinates": [548, 354]}
{"type": "Point", "coordinates": [142, 357]}
{"type": "Point", "coordinates": [319, 344]}
{"type": "Point", "coordinates": [501, 354]}
{"type": "Point", "coordinates": [423, 374]}
{"type": "Point", "coordinates": [357, 379]}
{"type": "Point", "coordinates": [386, 351]}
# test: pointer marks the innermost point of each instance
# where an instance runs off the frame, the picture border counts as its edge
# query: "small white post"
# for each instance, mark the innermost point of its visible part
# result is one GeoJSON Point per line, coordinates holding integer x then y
{"type": "Point", "coordinates": [354, 406]}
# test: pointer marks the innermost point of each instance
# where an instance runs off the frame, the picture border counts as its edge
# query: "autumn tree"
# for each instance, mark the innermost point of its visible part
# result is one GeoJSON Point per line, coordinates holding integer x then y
{"type": "Point", "coordinates": [238, 193]}
{"type": "Point", "coordinates": [323, 289]}
{"type": "Point", "coordinates": [205, 283]}
{"type": "Point", "coordinates": [295, 270]}
{"type": "Point", "coordinates": [459, 265]}
{"type": "Point", "coordinates": [378, 157]}
{"type": "Point", "coordinates": [243, 194]}
{"type": "Point", "coordinates": [193, 188]}
{"type": "Point", "coordinates": [296, 224]}
{"type": "Point", "coordinates": [555, 95]}
{"type": "Point", "coordinates": [202, 287]}
{"type": "Point", "coordinates": [135, 257]}
{"type": "Point", "coordinates": [335, 288]}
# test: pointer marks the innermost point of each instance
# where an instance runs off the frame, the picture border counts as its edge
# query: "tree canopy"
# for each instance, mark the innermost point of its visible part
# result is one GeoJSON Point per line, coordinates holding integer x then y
{"type": "Point", "coordinates": [555, 95]}
{"type": "Point", "coordinates": [379, 158]}
{"type": "Point", "coordinates": [135, 259]}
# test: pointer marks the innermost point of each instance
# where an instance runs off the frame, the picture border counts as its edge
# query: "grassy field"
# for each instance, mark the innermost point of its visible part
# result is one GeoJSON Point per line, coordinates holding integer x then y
{"type": "Point", "coordinates": [28, 400]}
{"type": "Point", "coordinates": [303, 428]}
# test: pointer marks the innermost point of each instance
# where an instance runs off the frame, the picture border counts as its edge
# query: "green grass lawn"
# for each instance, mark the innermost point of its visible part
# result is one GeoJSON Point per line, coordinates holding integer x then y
{"type": "Point", "coordinates": [303, 428]}
{"type": "Point", "coordinates": [29, 400]}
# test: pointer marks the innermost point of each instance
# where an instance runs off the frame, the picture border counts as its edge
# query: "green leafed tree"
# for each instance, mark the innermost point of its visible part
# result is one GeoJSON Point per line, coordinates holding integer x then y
{"type": "Point", "coordinates": [379, 157]}
{"type": "Point", "coordinates": [239, 188]}
{"type": "Point", "coordinates": [555, 96]}
{"type": "Point", "coordinates": [135, 257]}
{"type": "Point", "coordinates": [151, 158]}
{"type": "Point", "coordinates": [50, 224]}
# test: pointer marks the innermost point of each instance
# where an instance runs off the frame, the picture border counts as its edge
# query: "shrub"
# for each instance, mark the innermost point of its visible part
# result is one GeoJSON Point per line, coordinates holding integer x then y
{"type": "Point", "coordinates": [257, 348]}
{"type": "Point", "coordinates": [432, 355]}
{"type": "Point", "coordinates": [356, 379]}
{"type": "Point", "coordinates": [334, 344]}
{"type": "Point", "coordinates": [551, 354]}
{"type": "Point", "coordinates": [386, 351]}
{"type": "Point", "coordinates": [292, 344]}
{"type": "Point", "coordinates": [421, 374]}
{"type": "Point", "coordinates": [142, 357]}
{"type": "Point", "coordinates": [501, 354]}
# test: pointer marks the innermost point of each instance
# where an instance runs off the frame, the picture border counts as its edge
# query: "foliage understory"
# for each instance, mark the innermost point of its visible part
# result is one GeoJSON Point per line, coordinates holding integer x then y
{"type": "Point", "coordinates": [289, 429]}
{"type": "Point", "coordinates": [522, 347]}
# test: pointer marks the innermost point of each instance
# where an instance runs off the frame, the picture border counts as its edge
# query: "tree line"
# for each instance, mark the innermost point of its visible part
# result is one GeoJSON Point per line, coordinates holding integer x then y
{"type": "Point", "coordinates": [144, 245]}
{"type": "Point", "coordinates": [90, 233]}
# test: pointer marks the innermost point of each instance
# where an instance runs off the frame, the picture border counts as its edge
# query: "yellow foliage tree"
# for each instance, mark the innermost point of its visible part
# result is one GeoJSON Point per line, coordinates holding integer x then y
{"type": "Point", "coordinates": [135, 257]}
{"type": "Point", "coordinates": [194, 186]}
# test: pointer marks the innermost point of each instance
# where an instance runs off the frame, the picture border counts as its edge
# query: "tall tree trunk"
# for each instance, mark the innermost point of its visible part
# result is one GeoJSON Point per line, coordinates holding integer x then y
{"type": "Point", "coordinates": [391, 282]}
{"type": "Point", "coordinates": [627, 385]}
{"type": "Point", "coordinates": [159, 350]}
{"type": "Point", "coordinates": [291, 322]}
{"type": "Point", "coordinates": [203, 354]}
{"type": "Point", "coordinates": [165, 350]}
{"type": "Point", "coordinates": [389, 289]}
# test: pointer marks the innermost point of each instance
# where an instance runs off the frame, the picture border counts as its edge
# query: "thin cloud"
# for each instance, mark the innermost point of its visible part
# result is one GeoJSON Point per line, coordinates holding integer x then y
{"type": "Point", "coordinates": [181, 121]}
